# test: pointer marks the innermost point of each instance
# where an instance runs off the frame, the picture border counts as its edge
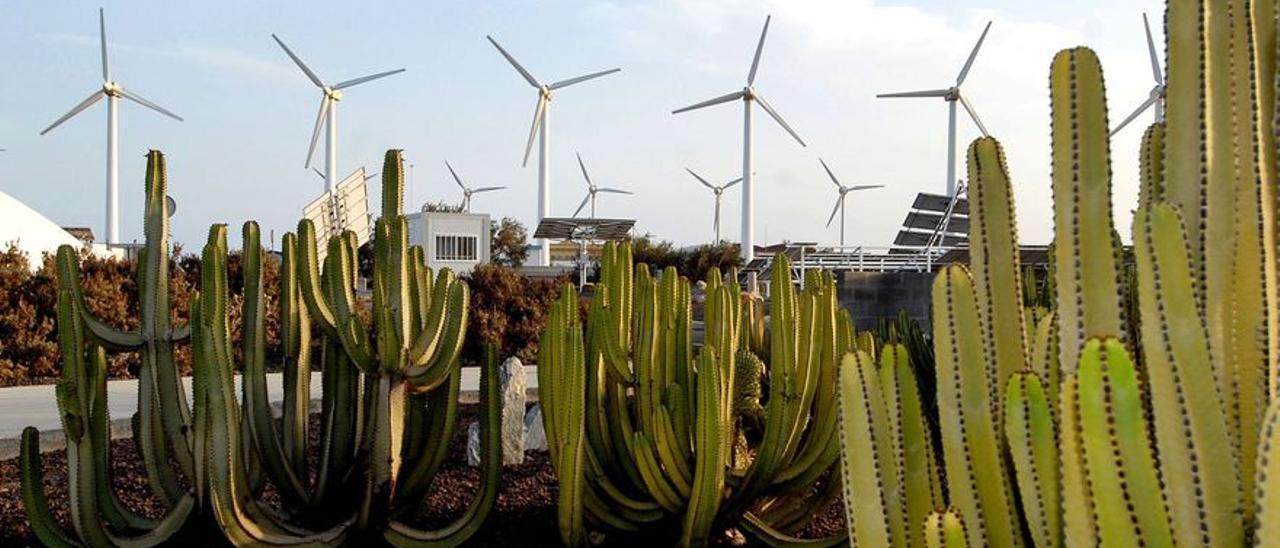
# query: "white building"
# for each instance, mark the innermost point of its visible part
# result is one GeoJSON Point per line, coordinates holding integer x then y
{"type": "Point", "coordinates": [458, 241]}
{"type": "Point", "coordinates": [33, 233]}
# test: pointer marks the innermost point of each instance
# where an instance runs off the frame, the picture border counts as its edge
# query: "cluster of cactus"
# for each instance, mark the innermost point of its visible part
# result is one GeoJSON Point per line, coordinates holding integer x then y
{"type": "Point", "coordinates": [648, 433]}
{"type": "Point", "coordinates": [1085, 425]}
{"type": "Point", "coordinates": [388, 408]}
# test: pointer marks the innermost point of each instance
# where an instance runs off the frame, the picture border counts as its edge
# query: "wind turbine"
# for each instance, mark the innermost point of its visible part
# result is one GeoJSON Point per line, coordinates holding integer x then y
{"type": "Point", "coordinates": [952, 96]}
{"type": "Point", "coordinates": [539, 128]}
{"type": "Point", "coordinates": [844, 191]}
{"type": "Point", "coordinates": [1155, 98]}
{"type": "Point", "coordinates": [113, 92]}
{"type": "Point", "coordinates": [748, 95]}
{"type": "Point", "coordinates": [468, 192]}
{"type": "Point", "coordinates": [328, 114]}
{"type": "Point", "coordinates": [592, 190]}
{"type": "Point", "coordinates": [719, 191]}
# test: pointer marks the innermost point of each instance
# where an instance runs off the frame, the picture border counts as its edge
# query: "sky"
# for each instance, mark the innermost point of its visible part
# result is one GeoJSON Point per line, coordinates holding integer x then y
{"type": "Point", "coordinates": [249, 111]}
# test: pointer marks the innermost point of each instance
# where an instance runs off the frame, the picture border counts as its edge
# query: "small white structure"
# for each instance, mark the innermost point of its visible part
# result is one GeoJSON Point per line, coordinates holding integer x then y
{"type": "Point", "coordinates": [33, 233]}
{"type": "Point", "coordinates": [458, 241]}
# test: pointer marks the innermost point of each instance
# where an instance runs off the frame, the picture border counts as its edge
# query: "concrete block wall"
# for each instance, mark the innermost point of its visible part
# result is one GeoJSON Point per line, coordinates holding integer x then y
{"type": "Point", "coordinates": [869, 296]}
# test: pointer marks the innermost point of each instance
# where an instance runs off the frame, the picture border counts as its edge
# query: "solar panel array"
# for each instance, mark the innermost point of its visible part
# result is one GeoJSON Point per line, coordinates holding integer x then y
{"type": "Point", "coordinates": [928, 225]}
{"type": "Point", "coordinates": [346, 209]}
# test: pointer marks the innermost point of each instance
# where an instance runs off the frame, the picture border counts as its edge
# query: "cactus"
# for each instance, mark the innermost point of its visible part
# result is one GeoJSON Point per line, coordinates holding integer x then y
{"type": "Point", "coordinates": [649, 433]}
{"type": "Point", "coordinates": [389, 398]}
{"type": "Point", "coordinates": [1134, 412]}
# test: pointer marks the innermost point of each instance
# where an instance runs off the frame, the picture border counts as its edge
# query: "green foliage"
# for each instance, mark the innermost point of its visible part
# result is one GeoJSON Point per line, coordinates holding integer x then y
{"type": "Point", "coordinates": [693, 263]}
{"type": "Point", "coordinates": [649, 433]}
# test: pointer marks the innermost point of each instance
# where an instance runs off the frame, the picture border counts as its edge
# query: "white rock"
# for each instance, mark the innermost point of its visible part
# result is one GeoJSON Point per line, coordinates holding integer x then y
{"type": "Point", "coordinates": [473, 444]}
{"type": "Point", "coordinates": [511, 384]}
{"type": "Point", "coordinates": [535, 438]}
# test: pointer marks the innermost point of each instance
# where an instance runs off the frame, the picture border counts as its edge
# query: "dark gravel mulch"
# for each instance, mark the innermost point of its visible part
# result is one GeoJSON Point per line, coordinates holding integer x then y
{"type": "Point", "coordinates": [525, 514]}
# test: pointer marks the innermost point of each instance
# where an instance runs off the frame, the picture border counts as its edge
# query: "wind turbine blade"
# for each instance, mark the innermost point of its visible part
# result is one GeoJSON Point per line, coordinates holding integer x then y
{"type": "Point", "coordinates": [146, 103]}
{"type": "Point", "coordinates": [864, 187]}
{"type": "Point", "coordinates": [755, 62]}
{"type": "Point", "coordinates": [614, 190]}
{"type": "Point", "coordinates": [1141, 108]}
{"type": "Point", "coordinates": [455, 176]}
{"type": "Point", "coordinates": [765, 104]}
{"type": "Point", "coordinates": [487, 189]}
{"type": "Point", "coordinates": [314, 79]}
{"type": "Point", "coordinates": [1151, 48]}
{"type": "Point", "coordinates": [922, 93]}
{"type": "Point", "coordinates": [700, 179]}
{"type": "Point", "coordinates": [318, 172]}
{"type": "Point", "coordinates": [584, 170]}
{"type": "Point", "coordinates": [102, 37]}
{"type": "Point", "coordinates": [371, 175]}
{"type": "Point", "coordinates": [721, 99]}
{"type": "Point", "coordinates": [583, 78]}
{"type": "Point", "coordinates": [731, 183]}
{"type": "Point", "coordinates": [968, 64]}
{"type": "Point", "coordinates": [533, 130]}
{"type": "Point", "coordinates": [835, 210]}
{"type": "Point", "coordinates": [88, 102]}
{"type": "Point", "coordinates": [528, 77]}
{"type": "Point", "coordinates": [363, 79]}
{"type": "Point", "coordinates": [974, 114]}
{"type": "Point", "coordinates": [830, 174]}
{"type": "Point", "coordinates": [315, 134]}
{"type": "Point", "coordinates": [585, 199]}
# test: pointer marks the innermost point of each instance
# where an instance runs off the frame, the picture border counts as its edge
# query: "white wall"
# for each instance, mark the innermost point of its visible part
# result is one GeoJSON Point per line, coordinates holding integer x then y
{"type": "Point", "coordinates": [424, 226]}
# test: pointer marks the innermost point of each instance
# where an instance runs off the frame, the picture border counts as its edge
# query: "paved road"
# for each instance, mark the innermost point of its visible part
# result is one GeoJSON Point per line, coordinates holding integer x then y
{"type": "Point", "coordinates": [23, 406]}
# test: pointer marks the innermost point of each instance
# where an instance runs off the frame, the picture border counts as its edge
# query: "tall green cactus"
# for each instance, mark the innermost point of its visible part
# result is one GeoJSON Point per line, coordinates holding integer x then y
{"type": "Point", "coordinates": [1162, 443]}
{"type": "Point", "coordinates": [648, 433]}
{"type": "Point", "coordinates": [389, 399]}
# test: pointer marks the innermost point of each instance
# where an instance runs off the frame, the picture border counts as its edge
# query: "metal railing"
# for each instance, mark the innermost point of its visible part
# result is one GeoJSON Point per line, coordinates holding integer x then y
{"type": "Point", "coordinates": [869, 259]}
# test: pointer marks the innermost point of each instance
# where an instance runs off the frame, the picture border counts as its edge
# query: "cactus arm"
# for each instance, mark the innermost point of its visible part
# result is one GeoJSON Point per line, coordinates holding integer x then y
{"type": "Point", "coordinates": [1185, 156]}
{"type": "Point", "coordinates": [1267, 492]}
{"type": "Point", "coordinates": [295, 342]}
{"type": "Point", "coordinates": [1117, 452]}
{"type": "Point", "coordinates": [429, 376]}
{"type": "Point", "coordinates": [863, 430]}
{"type": "Point", "coordinates": [1032, 442]}
{"type": "Point", "coordinates": [1265, 14]}
{"type": "Point", "coordinates": [912, 443]}
{"type": "Point", "coordinates": [1151, 160]}
{"type": "Point", "coordinates": [1088, 287]}
{"type": "Point", "coordinates": [760, 532]}
{"type": "Point", "coordinates": [1078, 508]}
{"type": "Point", "coordinates": [1191, 426]}
{"type": "Point", "coordinates": [338, 424]}
{"type": "Point", "coordinates": [993, 235]}
{"type": "Point", "coordinates": [944, 529]}
{"type": "Point", "coordinates": [563, 379]}
{"type": "Point", "coordinates": [470, 522]}
{"type": "Point", "coordinates": [709, 470]}
{"type": "Point", "coordinates": [310, 283]}
{"type": "Point", "coordinates": [976, 474]}
{"type": "Point", "coordinates": [34, 501]}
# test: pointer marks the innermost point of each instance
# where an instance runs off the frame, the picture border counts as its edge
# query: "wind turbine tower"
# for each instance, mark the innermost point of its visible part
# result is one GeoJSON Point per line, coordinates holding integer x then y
{"type": "Point", "coordinates": [113, 91]}
{"type": "Point", "coordinates": [540, 114]}
{"type": "Point", "coordinates": [952, 95]}
{"type": "Point", "coordinates": [749, 95]}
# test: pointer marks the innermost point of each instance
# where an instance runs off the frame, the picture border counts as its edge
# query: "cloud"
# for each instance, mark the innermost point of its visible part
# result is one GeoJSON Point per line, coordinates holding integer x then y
{"type": "Point", "coordinates": [227, 59]}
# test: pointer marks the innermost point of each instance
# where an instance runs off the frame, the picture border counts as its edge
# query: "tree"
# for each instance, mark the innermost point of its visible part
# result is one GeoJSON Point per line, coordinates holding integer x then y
{"type": "Point", "coordinates": [509, 245]}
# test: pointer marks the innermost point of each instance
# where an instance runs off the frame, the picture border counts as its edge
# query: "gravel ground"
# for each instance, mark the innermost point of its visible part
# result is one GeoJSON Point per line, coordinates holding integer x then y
{"type": "Point", "coordinates": [525, 514]}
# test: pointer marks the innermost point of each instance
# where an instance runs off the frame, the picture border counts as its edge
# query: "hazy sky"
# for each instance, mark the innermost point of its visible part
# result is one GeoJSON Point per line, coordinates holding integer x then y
{"type": "Point", "coordinates": [249, 111]}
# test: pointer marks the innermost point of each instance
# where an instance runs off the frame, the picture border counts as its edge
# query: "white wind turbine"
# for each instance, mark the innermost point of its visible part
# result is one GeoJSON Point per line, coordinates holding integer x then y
{"type": "Point", "coordinates": [466, 191]}
{"type": "Point", "coordinates": [748, 95]}
{"type": "Point", "coordinates": [844, 191]}
{"type": "Point", "coordinates": [952, 96]}
{"type": "Point", "coordinates": [113, 92]}
{"type": "Point", "coordinates": [328, 114]}
{"type": "Point", "coordinates": [1155, 98]}
{"type": "Point", "coordinates": [719, 191]}
{"type": "Point", "coordinates": [592, 190]}
{"type": "Point", "coordinates": [539, 128]}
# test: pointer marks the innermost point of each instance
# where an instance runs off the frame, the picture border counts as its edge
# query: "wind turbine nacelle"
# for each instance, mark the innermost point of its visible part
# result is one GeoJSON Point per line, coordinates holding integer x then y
{"type": "Point", "coordinates": [334, 94]}
{"type": "Point", "coordinates": [111, 88]}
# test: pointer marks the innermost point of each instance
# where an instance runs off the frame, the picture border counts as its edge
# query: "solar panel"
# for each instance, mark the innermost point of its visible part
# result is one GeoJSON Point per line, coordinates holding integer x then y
{"type": "Point", "coordinates": [930, 221]}
{"type": "Point", "coordinates": [938, 203]}
{"type": "Point", "coordinates": [568, 228]}
{"type": "Point", "coordinates": [921, 239]}
{"type": "Point", "coordinates": [346, 209]}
